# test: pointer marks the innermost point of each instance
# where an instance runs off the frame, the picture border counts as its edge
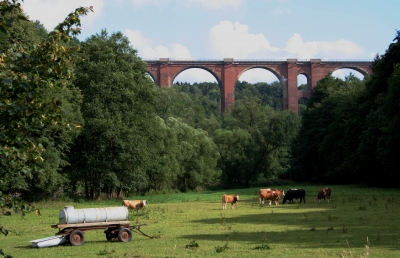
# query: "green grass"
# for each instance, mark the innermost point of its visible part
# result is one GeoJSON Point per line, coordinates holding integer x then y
{"type": "Point", "coordinates": [194, 225]}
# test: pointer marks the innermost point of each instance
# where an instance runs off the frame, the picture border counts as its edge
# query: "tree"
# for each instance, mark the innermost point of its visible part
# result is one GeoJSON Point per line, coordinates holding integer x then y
{"type": "Point", "coordinates": [232, 146]}
{"type": "Point", "coordinates": [196, 155]}
{"type": "Point", "coordinates": [379, 140]}
{"type": "Point", "coordinates": [269, 134]}
{"type": "Point", "coordinates": [269, 94]}
{"type": "Point", "coordinates": [328, 139]}
{"type": "Point", "coordinates": [27, 73]}
{"type": "Point", "coordinates": [112, 154]}
{"type": "Point", "coordinates": [172, 102]}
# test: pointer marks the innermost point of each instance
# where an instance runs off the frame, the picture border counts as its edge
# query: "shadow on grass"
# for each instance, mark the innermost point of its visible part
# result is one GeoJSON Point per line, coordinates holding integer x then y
{"type": "Point", "coordinates": [297, 238]}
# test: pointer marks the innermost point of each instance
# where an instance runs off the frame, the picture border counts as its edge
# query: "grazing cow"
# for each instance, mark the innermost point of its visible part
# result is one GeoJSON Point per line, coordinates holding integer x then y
{"type": "Point", "coordinates": [324, 193]}
{"type": "Point", "coordinates": [134, 204]}
{"type": "Point", "coordinates": [229, 199]}
{"type": "Point", "coordinates": [270, 195]}
{"type": "Point", "coordinates": [294, 194]}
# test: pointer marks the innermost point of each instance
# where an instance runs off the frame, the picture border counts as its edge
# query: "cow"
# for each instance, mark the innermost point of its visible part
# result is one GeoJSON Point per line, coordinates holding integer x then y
{"type": "Point", "coordinates": [229, 199]}
{"type": "Point", "coordinates": [134, 204]}
{"type": "Point", "coordinates": [324, 193]}
{"type": "Point", "coordinates": [270, 195]}
{"type": "Point", "coordinates": [294, 194]}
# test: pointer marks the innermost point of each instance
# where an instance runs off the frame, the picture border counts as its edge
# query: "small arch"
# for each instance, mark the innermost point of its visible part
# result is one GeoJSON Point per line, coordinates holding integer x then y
{"type": "Point", "coordinates": [303, 82]}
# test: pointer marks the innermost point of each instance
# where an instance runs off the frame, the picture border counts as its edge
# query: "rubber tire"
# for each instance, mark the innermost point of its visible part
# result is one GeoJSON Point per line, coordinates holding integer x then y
{"type": "Point", "coordinates": [124, 235]}
{"type": "Point", "coordinates": [76, 237]}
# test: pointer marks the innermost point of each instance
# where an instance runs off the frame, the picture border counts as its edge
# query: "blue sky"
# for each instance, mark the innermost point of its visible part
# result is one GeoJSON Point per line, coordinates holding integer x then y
{"type": "Point", "coordinates": [240, 29]}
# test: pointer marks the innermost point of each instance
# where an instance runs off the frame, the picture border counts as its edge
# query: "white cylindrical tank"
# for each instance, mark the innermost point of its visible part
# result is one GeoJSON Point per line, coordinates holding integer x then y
{"type": "Point", "coordinates": [70, 215]}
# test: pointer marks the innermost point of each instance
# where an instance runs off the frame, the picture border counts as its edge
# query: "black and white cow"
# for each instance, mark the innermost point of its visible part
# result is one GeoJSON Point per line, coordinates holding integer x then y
{"type": "Point", "coordinates": [295, 194]}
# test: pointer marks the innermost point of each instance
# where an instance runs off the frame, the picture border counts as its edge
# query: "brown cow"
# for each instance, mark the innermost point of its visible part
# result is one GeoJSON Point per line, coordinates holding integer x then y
{"type": "Point", "coordinates": [324, 193]}
{"type": "Point", "coordinates": [134, 204]}
{"type": "Point", "coordinates": [229, 199]}
{"type": "Point", "coordinates": [270, 195]}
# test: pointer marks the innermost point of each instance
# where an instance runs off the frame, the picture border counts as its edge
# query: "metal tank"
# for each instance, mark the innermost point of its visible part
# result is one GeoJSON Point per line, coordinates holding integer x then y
{"type": "Point", "coordinates": [70, 215]}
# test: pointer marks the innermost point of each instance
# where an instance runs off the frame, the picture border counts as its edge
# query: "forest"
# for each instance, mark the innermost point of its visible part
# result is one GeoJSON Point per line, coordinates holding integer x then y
{"type": "Point", "coordinates": [83, 119]}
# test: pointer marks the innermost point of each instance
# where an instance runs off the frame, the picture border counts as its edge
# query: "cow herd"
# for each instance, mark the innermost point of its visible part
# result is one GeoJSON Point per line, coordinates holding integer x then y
{"type": "Point", "coordinates": [274, 195]}
{"type": "Point", "coordinates": [270, 195]}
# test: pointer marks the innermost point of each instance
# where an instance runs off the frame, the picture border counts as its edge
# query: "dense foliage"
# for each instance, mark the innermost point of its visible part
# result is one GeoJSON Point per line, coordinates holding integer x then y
{"type": "Point", "coordinates": [35, 88]}
{"type": "Point", "coordinates": [36, 104]}
{"type": "Point", "coordinates": [349, 131]}
{"type": "Point", "coordinates": [253, 138]}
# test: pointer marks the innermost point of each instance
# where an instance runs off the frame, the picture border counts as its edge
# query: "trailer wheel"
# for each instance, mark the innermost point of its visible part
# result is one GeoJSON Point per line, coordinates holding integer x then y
{"type": "Point", "coordinates": [124, 235]}
{"type": "Point", "coordinates": [76, 237]}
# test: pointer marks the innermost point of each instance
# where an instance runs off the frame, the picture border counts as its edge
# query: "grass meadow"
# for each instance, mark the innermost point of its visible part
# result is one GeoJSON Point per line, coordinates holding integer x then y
{"type": "Point", "coordinates": [358, 222]}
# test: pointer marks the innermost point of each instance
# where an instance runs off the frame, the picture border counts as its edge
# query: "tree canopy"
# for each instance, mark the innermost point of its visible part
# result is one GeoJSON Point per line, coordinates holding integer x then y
{"type": "Point", "coordinates": [349, 131]}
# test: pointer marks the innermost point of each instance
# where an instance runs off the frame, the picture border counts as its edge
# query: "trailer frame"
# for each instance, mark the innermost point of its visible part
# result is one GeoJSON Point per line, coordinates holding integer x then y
{"type": "Point", "coordinates": [121, 230]}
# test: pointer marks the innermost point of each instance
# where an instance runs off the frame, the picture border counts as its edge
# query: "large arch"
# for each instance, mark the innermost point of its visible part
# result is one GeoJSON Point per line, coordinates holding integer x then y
{"type": "Point", "coordinates": [355, 68]}
{"type": "Point", "coordinates": [199, 67]}
{"type": "Point", "coordinates": [274, 77]}
{"type": "Point", "coordinates": [269, 69]}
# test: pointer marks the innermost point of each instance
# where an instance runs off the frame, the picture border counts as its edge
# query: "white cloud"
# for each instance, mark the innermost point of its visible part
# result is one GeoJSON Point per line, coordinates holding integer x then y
{"type": "Point", "coordinates": [234, 40]}
{"type": "Point", "coordinates": [148, 49]}
{"type": "Point", "coordinates": [51, 12]}
{"type": "Point", "coordinates": [323, 49]}
{"type": "Point", "coordinates": [280, 10]}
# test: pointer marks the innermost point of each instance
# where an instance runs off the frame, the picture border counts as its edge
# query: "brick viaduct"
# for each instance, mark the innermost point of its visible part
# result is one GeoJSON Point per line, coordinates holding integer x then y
{"type": "Point", "coordinates": [227, 72]}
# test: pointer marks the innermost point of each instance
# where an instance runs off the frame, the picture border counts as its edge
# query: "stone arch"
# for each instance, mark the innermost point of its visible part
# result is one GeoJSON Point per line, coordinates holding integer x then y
{"type": "Point", "coordinates": [355, 68]}
{"type": "Point", "coordinates": [198, 67]}
{"type": "Point", "coordinates": [269, 69]}
{"type": "Point", "coordinates": [274, 72]}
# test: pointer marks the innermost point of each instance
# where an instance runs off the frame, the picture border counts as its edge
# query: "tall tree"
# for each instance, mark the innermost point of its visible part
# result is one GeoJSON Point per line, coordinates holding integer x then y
{"type": "Point", "coordinates": [326, 146]}
{"type": "Point", "coordinates": [196, 155]}
{"type": "Point", "coordinates": [29, 71]}
{"type": "Point", "coordinates": [112, 154]}
{"type": "Point", "coordinates": [379, 141]}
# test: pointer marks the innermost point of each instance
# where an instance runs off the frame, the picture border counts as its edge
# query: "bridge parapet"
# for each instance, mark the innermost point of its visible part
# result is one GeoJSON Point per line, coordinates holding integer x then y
{"type": "Point", "coordinates": [291, 60]}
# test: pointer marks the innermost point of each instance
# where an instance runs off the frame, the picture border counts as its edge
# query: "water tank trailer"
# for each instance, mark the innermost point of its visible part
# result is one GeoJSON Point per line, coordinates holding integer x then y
{"type": "Point", "coordinates": [74, 222]}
